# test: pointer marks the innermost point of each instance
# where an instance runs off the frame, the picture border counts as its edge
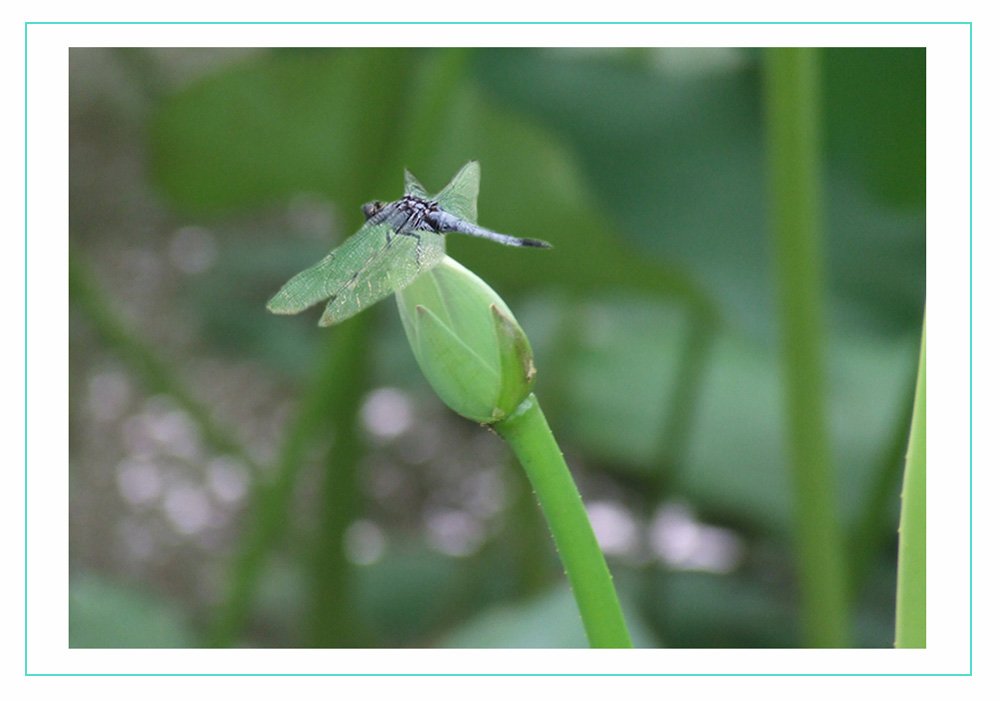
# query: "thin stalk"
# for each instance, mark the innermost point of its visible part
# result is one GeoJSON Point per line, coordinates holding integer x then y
{"type": "Point", "coordinates": [911, 585]}
{"type": "Point", "coordinates": [528, 433]}
{"type": "Point", "coordinates": [691, 373]}
{"type": "Point", "coordinates": [792, 110]}
{"type": "Point", "coordinates": [157, 374]}
{"type": "Point", "coordinates": [271, 503]}
{"type": "Point", "coordinates": [333, 618]}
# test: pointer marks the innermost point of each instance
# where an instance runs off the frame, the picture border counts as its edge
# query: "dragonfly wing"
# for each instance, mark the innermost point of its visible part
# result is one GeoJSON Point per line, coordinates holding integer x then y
{"type": "Point", "coordinates": [368, 266]}
{"type": "Point", "coordinates": [460, 195]}
{"type": "Point", "coordinates": [309, 287]}
{"type": "Point", "coordinates": [380, 268]}
{"type": "Point", "coordinates": [412, 186]}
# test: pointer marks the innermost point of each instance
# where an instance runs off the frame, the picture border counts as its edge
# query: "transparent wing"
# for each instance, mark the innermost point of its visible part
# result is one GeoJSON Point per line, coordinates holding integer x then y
{"type": "Point", "coordinates": [391, 267]}
{"type": "Point", "coordinates": [460, 195]}
{"type": "Point", "coordinates": [366, 268]}
{"type": "Point", "coordinates": [412, 186]}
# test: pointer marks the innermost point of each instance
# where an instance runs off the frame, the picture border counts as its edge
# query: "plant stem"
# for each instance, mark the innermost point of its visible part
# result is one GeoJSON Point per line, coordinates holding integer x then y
{"type": "Point", "coordinates": [333, 618]}
{"type": "Point", "coordinates": [792, 109]}
{"type": "Point", "coordinates": [332, 398]}
{"type": "Point", "coordinates": [157, 374]}
{"type": "Point", "coordinates": [911, 584]}
{"type": "Point", "coordinates": [528, 433]}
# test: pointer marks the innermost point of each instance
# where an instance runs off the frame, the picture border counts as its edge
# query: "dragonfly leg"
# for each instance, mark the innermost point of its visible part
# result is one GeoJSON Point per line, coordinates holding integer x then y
{"type": "Point", "coordinates": [392, 233]}
{"type": "Point", "coordinates": [406, 231]}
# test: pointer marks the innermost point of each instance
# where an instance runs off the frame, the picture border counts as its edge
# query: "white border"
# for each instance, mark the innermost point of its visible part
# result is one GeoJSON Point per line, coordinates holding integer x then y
{"type": "Point", "coordinates": [948, 270]}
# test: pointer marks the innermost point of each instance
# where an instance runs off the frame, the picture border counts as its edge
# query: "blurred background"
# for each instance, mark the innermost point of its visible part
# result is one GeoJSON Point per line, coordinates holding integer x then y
{"type": "Point", "coordinates": [243, 479]}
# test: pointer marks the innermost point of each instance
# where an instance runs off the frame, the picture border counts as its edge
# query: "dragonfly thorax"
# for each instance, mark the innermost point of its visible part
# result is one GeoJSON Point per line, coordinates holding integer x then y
{"type": "Point", "coordinates": [411, 213]}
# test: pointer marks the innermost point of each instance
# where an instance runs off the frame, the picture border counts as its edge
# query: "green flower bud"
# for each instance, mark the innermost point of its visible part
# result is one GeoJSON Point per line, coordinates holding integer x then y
{"type": "Point", "coordinates": [467, 342]}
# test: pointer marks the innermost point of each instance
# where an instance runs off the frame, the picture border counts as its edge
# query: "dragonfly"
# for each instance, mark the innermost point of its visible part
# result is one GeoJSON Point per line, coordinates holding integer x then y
{"type": "Point", "coordinates": [398, 241]}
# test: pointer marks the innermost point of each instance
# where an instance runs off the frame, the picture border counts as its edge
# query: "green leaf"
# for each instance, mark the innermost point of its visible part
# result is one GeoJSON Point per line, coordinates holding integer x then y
{"type": "Point", "coordinates": [284, 122]}
{"type": "Point", "coordinates": [517, 367]}
{"type": "Point", "coordinates": [551, 620]}
{"type": "Point", "coordinates": [104, 614]}
{"type": "Point", "coordinates": [681, 175]}
{"type": "Point", "coordinates": [461, 378]}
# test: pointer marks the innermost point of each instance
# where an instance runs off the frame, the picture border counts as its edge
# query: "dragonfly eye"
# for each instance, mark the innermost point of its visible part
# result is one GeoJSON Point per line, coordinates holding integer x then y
{"type": "Point", "coordinates": [372, 208]}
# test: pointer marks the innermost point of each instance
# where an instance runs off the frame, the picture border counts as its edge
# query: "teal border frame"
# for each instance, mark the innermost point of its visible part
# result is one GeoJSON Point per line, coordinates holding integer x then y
{"type": "Point", "coordinates": [452, 23]}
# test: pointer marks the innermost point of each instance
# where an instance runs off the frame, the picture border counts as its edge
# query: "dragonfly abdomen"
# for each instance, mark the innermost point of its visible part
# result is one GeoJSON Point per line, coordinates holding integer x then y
{"type": "Point", "coordinates": [445, 222]}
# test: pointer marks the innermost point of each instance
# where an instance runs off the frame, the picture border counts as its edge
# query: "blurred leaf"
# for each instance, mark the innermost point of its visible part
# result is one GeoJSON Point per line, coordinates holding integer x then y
{"type": "Point", "coordinates": [711, 611]}
{"type": "Point", "coordinates": [612, 363]}
{"type": "Point", "coordinates": [876, 111]}
{"type": "Point", "coordinates": [280, 123]}
{"type": "Point", "coordinates": [549, 621]}
{"type": "Point", "coordinates": [877, 258]}
{"type": "Point", "coordinates": [678, 160]}
{"type": "Point", "coordinates": [103, 614]}
{"type": "Point", "coordinates": [410, 591]}
{"type": "Point", "coordinates": [228, 303]}
{"type": "Point", "coordinates": [744, 475]}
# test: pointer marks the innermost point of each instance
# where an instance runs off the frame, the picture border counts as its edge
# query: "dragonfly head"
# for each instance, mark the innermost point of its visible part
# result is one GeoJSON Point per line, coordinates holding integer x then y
{"type": "Point", "coordinates": [372, 208]}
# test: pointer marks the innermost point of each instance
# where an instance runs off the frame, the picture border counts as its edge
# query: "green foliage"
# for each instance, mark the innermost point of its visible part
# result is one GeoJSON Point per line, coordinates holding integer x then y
{"type": "Point", "coordinates": [107, 614]}
{"type": "Point", "coordinates": [677, 160]}
{"type": "Point", "coordinates": [286, 122]}
{"type": "Point", "coordinates": [911, 600]}
{"type": "Point", "coordinates": [651, 320]}
{"type": "Point", "coordinates": [551, 620]}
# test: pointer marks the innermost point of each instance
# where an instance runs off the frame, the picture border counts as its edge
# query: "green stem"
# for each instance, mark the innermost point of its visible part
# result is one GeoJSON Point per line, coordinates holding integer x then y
{"type": "Point", "coordinates": [86, 295]}
{"type": "Point", "coordinates": [691, 374]}
{"type": "Point", "coordinates": [270, 507]}
{"type": "Point", "coordinates": [911, 586]}
{"type": "Point", "coordinates": [333, 614]}
{"type": "Point", "coordinates": [792, 109]}
{"type": "Point", "coordinates": [528, 433]}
